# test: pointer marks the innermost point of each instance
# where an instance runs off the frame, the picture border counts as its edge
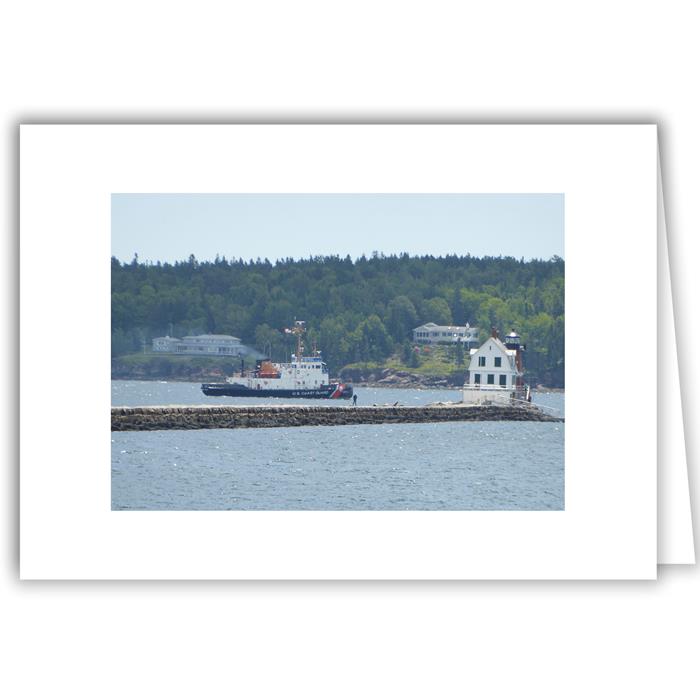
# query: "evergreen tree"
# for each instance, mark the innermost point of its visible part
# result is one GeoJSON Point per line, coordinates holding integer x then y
{"type": "Point", "coordinates": [459, 353]}
{"type": "Point", "coordinates": [357, 310]}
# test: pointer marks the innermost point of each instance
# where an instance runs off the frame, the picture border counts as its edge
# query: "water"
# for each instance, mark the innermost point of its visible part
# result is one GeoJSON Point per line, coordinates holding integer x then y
{"type": "Point", "coordinates": [134, 393]}
{"type": "Point", "coordinates": [440, 466]}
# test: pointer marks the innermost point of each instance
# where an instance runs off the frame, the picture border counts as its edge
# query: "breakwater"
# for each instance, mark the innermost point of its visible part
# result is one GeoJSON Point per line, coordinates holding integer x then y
{"type": "Point", "coordinates": [203, 417]}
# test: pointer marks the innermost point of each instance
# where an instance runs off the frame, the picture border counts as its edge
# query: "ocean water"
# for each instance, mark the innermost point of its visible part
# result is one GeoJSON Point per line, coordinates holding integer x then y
{"type": "Point", "coordinates": [135, 393]}
{"type": "Point", "coordinates": [441, 466]}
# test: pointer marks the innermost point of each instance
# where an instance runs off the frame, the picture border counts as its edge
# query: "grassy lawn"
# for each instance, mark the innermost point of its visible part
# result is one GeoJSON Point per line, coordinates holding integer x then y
{"type": "Point", "coordinates": [439, 362]}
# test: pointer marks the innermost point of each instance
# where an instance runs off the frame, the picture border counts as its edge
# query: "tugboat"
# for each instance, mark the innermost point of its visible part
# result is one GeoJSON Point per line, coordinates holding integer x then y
{"type": "Point", "coordinates": [305, 377]}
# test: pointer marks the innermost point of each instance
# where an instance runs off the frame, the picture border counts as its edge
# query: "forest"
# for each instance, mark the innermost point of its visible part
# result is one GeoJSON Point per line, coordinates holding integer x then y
{"type": "Point", "coordinates": [360, 310]}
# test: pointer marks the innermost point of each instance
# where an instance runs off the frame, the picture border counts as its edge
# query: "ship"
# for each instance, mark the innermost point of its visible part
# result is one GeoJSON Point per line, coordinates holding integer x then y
{"type": "Point", "coordinates": [305, 377]}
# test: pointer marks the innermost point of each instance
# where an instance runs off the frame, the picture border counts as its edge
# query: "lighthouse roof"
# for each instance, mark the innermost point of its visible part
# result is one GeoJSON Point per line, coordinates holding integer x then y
{"type": "Point", "coordinates": [490, 347]}
{"type": "Point", "coordinates": [499, 344]}
{"type": "Point", "coordinates": [496, 342]}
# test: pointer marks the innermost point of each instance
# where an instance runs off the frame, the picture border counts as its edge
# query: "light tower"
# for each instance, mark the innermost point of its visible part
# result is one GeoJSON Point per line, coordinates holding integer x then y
{"type": "Point", "coordinates": [512, 342]}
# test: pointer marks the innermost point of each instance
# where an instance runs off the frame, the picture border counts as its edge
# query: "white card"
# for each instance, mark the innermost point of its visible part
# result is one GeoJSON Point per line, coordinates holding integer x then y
{"type": "Point", "coordinates": [608, 527]}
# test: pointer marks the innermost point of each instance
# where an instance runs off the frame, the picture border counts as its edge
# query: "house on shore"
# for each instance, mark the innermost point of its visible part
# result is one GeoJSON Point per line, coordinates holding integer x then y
{"type": "Point", "coordinates": [208, 345]}
{"type": "Point", "coordinates": [496, 372]}
{"type": "Point", "coordinates": [432, 334]}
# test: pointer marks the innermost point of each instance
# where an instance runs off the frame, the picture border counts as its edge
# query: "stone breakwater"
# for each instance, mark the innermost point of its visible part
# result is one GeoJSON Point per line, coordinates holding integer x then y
{"type": "Point", "coordinates": [201, 417]}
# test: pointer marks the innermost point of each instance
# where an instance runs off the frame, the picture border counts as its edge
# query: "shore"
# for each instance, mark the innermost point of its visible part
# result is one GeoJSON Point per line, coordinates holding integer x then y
{"type": "Point", "coordinates": [400, 380]}
{"type": "Point", "coordinates": [428, 385]}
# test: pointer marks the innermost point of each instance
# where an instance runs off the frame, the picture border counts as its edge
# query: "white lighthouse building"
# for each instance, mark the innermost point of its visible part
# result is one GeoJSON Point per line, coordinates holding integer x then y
{"type": "Point", "coordinates": [496, 372]}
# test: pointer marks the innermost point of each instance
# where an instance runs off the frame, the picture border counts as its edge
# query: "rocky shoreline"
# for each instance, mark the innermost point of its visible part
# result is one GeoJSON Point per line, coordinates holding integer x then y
{"type": "Point", "coordinates": [208, 417]}
{"type": "Point", "coordinates": [401, 379]}
{"type": "Point", "coordinates": [388, 378]}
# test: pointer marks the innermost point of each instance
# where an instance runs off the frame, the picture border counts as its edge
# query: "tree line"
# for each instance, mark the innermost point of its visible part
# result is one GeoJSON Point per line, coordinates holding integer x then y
{"type": "Point", "coordinates": [356, 310]}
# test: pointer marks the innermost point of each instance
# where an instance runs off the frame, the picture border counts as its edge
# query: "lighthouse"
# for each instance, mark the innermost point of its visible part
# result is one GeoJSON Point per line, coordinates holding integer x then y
{"type": "Point", "coordinates": [496, 372]}
{"type": "Point", "coordinates": [512, 342]}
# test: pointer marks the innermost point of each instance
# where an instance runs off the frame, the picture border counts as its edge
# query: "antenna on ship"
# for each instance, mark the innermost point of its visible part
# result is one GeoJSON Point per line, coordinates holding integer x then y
{"type": "Point", "coordinates": [298, 331]}
{"type": "Point", "coordinates": [299, 327]}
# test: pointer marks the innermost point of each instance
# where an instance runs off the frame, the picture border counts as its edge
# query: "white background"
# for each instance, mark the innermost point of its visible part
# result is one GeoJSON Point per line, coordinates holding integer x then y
{"type": "Point", "coordinates": [478, 62]}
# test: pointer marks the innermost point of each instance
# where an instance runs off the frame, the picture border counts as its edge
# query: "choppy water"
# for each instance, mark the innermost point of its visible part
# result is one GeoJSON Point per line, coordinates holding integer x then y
{"type": "Point", "coordinates": [442, 466]}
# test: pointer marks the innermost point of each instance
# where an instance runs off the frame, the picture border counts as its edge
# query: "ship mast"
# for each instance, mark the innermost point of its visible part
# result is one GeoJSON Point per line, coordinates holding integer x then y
{"type": "Point", "coordinates": [298, 330]}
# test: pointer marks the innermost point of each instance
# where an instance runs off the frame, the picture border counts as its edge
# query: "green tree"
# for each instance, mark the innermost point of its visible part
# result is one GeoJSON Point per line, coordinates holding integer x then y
{"type": "Point", "coordinates": [337, 297]}
{"type": "Point", "coordinates": [269, 342]}
{"type": "Point", "coordinates": [375, 342]}
{"type": "Point", "coordinates": [459, 353]}
{"type": "Point", "coordinates": [438, 311]}
{"type": "Point", "coordinates": [401, 317]}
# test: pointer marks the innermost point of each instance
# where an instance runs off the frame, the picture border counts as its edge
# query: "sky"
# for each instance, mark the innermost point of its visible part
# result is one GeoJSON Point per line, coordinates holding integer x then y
{"type": "Point", "coordinates": [170, 227]}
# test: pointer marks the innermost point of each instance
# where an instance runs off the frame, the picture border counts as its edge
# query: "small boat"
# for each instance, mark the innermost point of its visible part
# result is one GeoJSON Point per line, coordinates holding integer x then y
{"type": "Point", "coordinates": [305, 377]}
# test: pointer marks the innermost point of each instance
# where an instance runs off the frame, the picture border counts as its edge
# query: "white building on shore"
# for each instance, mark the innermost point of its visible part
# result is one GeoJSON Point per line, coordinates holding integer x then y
{"type": "Point", "coordinates": [204, 345]}
{"type": "Point", "coordinates": [431, 334]}
{"type": "Point", "coordinates": [165, 344]}
{"type": "Point", "coordinates": [496, 372]}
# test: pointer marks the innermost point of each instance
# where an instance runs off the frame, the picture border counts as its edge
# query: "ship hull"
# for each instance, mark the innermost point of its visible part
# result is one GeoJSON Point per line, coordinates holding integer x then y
{"type": "Point", "coordinates": [327, 391]}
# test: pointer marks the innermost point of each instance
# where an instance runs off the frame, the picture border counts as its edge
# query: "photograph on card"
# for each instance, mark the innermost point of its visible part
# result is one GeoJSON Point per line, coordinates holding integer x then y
{"type": "Point", "coordinates": [337, 351]}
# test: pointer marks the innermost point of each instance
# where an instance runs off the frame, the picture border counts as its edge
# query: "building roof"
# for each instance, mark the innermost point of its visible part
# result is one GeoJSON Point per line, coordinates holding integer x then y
{"type": "Point", "coordinates": [444, 328]}
{"type": "Point", "coordinates": [166, 337]}
{"type": "Point", "coordinates": [499, 344]}
{"type": "Point", "coordinates": [212, 336]}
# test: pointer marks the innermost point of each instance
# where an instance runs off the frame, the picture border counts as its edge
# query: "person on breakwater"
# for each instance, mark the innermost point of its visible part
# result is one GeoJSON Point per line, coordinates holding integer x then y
{"type": "Point", "coordinates": [354, 399]}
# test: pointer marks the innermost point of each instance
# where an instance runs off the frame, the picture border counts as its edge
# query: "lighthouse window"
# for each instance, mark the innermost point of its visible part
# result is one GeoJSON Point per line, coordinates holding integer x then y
{"type": "Point", "coordinates": [482, 362]}
{"type": "Point", "coordinates": [497, 361]}
{"type": "Point", "coordinates": [489, 378]}
{"type": "Point", "coordinates": [502, 379]}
